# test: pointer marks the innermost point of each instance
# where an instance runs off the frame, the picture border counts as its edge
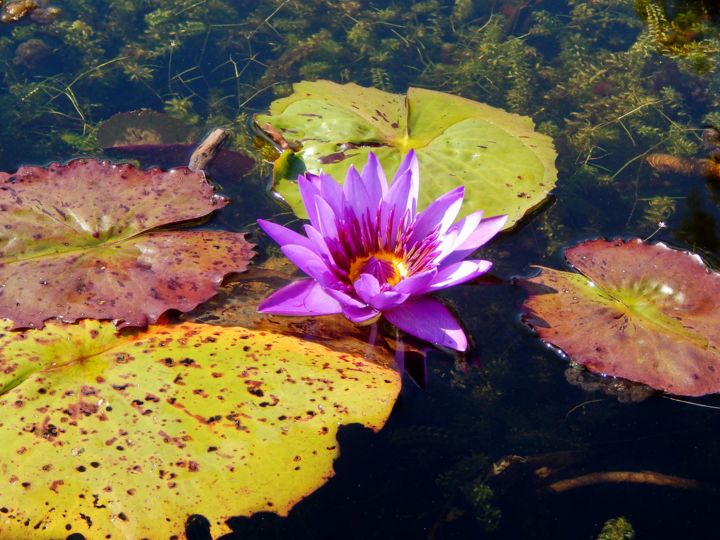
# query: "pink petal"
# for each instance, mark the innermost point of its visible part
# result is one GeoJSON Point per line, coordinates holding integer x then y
{"type": "Point", "coordinates": [428, 319]}
{"type": "Point", "coordinates": [303, 297]}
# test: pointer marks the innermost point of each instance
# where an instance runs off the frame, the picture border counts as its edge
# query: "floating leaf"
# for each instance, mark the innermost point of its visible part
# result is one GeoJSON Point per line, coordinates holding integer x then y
{"type": "Point", "coordinates": [644, 312]}
{"type": "Point", "coordinates": [505, 166]}
{"type": "Point", "coordinates": [73, 243]}
{"type": "Point", "coordinates": [126, 436]}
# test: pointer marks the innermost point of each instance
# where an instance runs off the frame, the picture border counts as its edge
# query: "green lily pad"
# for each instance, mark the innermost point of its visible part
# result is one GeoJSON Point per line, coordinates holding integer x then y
{"type": "Point", "coordinates": [80, 240]}
{"type": "Point", "coordinates": [505, 166]}
{"type": "Point", "coordinates": [125, 436]}
{"type": "Point", "coordinates": [640, 311]}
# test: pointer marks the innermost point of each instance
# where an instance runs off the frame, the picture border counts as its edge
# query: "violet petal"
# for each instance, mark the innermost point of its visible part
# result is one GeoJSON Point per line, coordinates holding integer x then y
{"type": "Point", "coordinates": [487, 228]}
{"type": "Point", "coordinates": [303, 297]}
{"type": "Point", "coordinates": [417, 284]}
{"type": "Point", "coordinates": [355, 193]}
{"type": "Point", "coordinates": [308, 192]}
{"type": "Point", "coordinates": [374, 179]}
{"type": "Point", "coordinates": [326, 218]}
{"type": "Point", "coordinates": [441, 211]}
{"type": "Point", "coordinates": [459, 272]}
{"type": "Point", "coordinates": [428, 319]}
{"type": "Point", "coordinates": [360, 315]}
{"type": "Point", "coordinates": [309, 262]}
{"type": "Point", "coordinates": [283, 235]}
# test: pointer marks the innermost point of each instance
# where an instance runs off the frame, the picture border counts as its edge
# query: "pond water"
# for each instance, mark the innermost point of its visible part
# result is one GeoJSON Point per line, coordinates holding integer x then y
{"type": "Point", "coordinates": [477, 452]}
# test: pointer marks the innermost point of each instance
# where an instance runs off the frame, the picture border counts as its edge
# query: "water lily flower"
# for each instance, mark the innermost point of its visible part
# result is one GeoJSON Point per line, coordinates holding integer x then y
{"type": "Point", "coordinates": [369, 253]}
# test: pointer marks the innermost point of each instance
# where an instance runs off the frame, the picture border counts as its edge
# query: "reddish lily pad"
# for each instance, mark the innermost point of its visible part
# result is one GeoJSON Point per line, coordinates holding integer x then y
{"type": "Point", "coordinates": [73, 243]}
{"type": "Point", "coordinates": [643, 312]}
{"type": "Point", "coordinates": [125, 436]}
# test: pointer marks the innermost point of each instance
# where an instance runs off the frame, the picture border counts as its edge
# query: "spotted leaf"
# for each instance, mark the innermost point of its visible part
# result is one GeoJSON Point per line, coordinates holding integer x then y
{"type": "Point", "coordinates": [74, 243]}
{"type": "Point", "coordinates": [125, 436]}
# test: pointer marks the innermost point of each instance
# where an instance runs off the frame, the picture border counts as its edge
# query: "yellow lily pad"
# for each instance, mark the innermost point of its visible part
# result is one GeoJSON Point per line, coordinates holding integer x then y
{"type": "Point", "coordinates": [126, 435]}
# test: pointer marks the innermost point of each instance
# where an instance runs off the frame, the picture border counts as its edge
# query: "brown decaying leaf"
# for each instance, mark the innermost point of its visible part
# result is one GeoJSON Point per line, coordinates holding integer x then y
{"type": "Point", "coordinates": [72, 243]}
{"type": "Point", "coordinates": [688, 166]}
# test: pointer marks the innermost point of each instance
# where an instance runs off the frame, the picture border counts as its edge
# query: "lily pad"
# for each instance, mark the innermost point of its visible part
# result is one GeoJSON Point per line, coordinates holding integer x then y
{"type": "Point", "coordinates": [505, 166]}
{"type": "Point", "coordinates": [73, 243]}
{"type": "Point", "coordinates": [125, 436]}
{"type": "Point", "coordinates": [643, 312]}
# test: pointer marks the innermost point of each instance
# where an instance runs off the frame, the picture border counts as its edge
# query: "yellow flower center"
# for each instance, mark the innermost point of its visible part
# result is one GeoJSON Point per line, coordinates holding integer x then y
{"type": "Point", "coordinates": [385, 266]}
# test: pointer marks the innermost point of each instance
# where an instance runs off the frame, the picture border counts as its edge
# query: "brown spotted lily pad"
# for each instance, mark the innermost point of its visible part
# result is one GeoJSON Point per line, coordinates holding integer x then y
{"type": "Point", "coordinates": [74, 243]}
{"type": "Point", "coordinates": [643, 312]}
{"type": "Point", "coordinates": [125, 436]}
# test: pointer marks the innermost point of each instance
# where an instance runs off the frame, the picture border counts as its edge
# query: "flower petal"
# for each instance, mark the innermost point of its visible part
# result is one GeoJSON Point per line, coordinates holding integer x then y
{"type": "Point", "coordinates": [308, 184]}
{"type": "Point", "coordinates": [303, 297]}
{"type": "Point", "coordinates": [459, 272]}
{"type": "Point", "coordinates": [441, 211]}
{"type": "Point", "coordinates": [327, 223]}
{"type": "Point", "coordinates": [487, 228]}
{"type": "Point", "coordinates": [374, 179]}
{"type": "Point", "coordinates": [360, 315]}
{"type": "Point", "coordinates": [310, 262]}
{"type": "Point", "coordinates": [409, 163]}
{"type": "Point", "coordinates": [356, 195]}
{"type": "Point", "coordinates": [417, 284]}
{"type": "Point", "coordinates": [331, 192]}
{"type": "Point", "coordinates": [428, 319]}
{"type": "Point", "coordinates": [318, 242]}
{"type": "Point", "coordinates": [368, 289]}
{"type": "Point", "coordinates": [283, 235]}
{"type": "Point", "coordinates": [367, 286]}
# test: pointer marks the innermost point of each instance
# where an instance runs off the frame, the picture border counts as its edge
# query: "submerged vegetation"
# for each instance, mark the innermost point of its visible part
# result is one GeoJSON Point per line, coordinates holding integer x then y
{"type": "Point", "coordinates": [604, 96]}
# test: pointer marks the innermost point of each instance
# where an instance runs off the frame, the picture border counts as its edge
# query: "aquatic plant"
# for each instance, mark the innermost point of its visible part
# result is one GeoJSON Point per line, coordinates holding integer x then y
{"type": "Point", "coordinates": [369, 253]}
{"type": "Point", "coordinates": [505, 166]}
{"type": "Point", "coordinates": [186, 418]}
{"type": "Point", "coordinates": [81, 240]}
{"type": "Point", "coordinates": [636, 310]}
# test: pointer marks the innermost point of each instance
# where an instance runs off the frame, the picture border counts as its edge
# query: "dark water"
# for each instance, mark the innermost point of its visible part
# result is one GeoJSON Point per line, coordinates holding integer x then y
{"type": "Point", "coordinates": [429, 472]}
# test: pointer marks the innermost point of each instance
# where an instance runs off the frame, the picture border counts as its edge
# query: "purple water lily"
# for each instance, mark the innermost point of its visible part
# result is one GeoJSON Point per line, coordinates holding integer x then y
{"type": "Point", "coordinates": [369, 253]}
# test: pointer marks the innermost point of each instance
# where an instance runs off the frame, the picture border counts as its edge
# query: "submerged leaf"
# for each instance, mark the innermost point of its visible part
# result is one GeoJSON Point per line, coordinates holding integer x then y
{"type": "Point", "coordinates": [143, 126]}
{"type": "Point", "coordinates": [126, 436]}
{"type": "Point", "coordinates": [643, 312]}
{"type": "Point", "coordinates": [73, 243]}
{"type": "Point", "coordinates": [505, 166]}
